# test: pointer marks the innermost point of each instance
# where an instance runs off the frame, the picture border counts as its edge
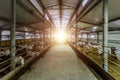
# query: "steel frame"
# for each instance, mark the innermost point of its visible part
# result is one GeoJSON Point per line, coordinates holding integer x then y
{"type": "Point", "coordinates": [12, 33]}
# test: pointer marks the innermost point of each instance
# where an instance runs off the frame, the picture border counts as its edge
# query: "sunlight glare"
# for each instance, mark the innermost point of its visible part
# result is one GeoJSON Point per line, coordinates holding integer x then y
{"type": "Point", "coordinates": [60, 36]}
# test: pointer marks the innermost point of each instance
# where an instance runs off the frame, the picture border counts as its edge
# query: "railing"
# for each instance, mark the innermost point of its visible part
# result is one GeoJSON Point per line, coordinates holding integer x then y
{"type": "Point", "coordinates": [99, 60]}
{"type": "Point", "coordinates": [5, 64]}
{"type": "Point", "coordinates": [94, 66]}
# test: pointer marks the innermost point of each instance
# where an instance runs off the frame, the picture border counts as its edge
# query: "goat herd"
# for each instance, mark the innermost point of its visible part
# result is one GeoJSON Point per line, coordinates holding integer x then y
{"type": "Point", "coordinates": [23, 52]}
{"type": "Point", "coordinates": [112, 51]}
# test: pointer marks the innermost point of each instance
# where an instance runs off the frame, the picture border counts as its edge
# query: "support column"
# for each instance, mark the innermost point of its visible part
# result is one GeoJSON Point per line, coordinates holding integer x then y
{"type": "Point", "coordinates": [105, 35]}
{"type": "Point", "coordinates": [50, 35]}
{"type": "Point", "coordinates": [98, 38]}
{"type": "Point", "coordinates": [0, 39]}
{"type": "Point", "coordinates": [81, 36]}
{"type": "Point", "coordinates": [76, 31]}
{"type": "Point", "coordinates": [12, 33]}
{"type": "Point", "coordinates": [51, 31]}
{"type": "Point", "coordinates": [44, 28]}
{"type": "Point", "coordinates": [82, 41]}
{"type": "Point", "coordinates": [71, 38]}
{"type": "Point", "coordinates": [34, 35]}
{"type": "Point", "coordinates": [24, 37]}
{"type": "Point", "coordinates": [40, 35]}
{"type": "Point", "coordinates": [87, 38]}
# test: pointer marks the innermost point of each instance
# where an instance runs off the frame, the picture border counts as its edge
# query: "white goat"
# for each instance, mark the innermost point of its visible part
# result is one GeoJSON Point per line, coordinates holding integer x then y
{"type": "Point", "coordinates": [28, 47]}
{"type": "Point", "coordinates": [5, 52]}
{"type": "Point", "coordinates": [117, 52]}
{"type": "Point", "coordinates": [99, 48]}
{"type": "Point", "coordinates": [19, 60]}
{"type": "Point", "coordinates": [81, 44]}
{"type": "Point", "coordinates": [30, 53]}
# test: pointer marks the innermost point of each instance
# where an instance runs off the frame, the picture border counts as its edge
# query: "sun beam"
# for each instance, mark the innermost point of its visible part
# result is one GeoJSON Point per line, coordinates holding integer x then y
{"type": "Point", "coordinates": [60, 36]}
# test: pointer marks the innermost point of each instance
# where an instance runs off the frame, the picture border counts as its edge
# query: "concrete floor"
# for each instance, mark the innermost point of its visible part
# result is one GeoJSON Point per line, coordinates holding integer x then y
{"type": "Point", "coordinates": [60, 63]}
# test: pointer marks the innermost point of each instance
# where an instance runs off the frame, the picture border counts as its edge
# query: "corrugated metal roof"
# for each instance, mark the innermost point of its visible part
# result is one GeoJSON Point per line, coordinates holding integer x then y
{"type": "Point", "coordinates": [30, 14]}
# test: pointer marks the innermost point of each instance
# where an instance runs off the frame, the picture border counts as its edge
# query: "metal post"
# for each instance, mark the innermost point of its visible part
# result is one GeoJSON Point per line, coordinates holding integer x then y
{"type": "Point", "coordinates": [87, 38]}
{"type": "Point", "coordinates": [40, 36]}
{"type": "Point", "coordinates": [34, 37]}
{"type": "Point", "coordinates": [44, 28]}
{"type": "Point", "coordinates": [12, 33]}
{"type": "Point", "coordinates": [105, 35]}
{"type": "Point", "coordinates": [24, 36]}
{"type": "Point", "coordinates": [82, 41]}
{"type": "Point", "coordinates": [70, 37]}
{"type": "Point", "coordinates": [81, 36]}
{"type": "Point", "coordinates": [76, 30]}
{"type": "Point", "coordinates": [98, 38]}
{"type": "Point", "coordinates": [51, 31]}
{"type": "Point", "coordinates": [0, 39]}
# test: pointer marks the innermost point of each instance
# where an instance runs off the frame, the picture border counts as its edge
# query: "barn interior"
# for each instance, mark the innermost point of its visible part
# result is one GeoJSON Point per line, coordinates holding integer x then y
{"type": "Point", "coordinates": [56, 34]}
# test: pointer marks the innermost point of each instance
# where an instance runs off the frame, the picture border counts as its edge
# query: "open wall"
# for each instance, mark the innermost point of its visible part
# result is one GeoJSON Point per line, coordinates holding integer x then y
{"type": "Point", "coordinates": [113, 38]}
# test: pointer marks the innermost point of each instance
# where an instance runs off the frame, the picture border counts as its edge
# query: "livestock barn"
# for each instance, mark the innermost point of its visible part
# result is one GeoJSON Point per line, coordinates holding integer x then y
{"type": "Point", "coordinates": [59, 39]}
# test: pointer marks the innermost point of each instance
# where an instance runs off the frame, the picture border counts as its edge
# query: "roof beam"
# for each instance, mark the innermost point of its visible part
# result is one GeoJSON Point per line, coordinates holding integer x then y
{"type": "Point", "coordinates": [85, 13]}
{"type": "Point", "coordinates": [4, 19]}
{"type": "Point", "coordinates": [60, 5]}
{"type": "Point", "coordinates": [115, 19]}
{"type": "Point", "coordinates": [52, 8]}
{"type": "Point", "coordinates": [78, 5]}
{"type": "Point", "coordinates": [68, 5]}
{"type": "Point", "coordinates": [112, 20]}
{"type": "Point", "coordinates": [100, 24]}
{"type": "Point", "coordinates": [20, 26]}
{"type": "Point", "coordinates": [40, 12]}
{"type": "Point", "coordinates": [27, 9]}
{"type": "Point", "coordinates": [114, 29]}
{"type": "Point", "coordinates": [89, 23]}
{"type": "Point", "coordinates": [81, 13]}
{"type": "Point", "coordinates": [8, 29]}
{"type": "Point", "coordinates": [46, 11]}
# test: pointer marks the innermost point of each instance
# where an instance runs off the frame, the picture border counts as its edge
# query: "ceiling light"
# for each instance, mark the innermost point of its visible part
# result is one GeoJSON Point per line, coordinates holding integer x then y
{"type": "Point", "coordinates": [95, 27]}
{"type": "Point", "coordinates": [92, 36]}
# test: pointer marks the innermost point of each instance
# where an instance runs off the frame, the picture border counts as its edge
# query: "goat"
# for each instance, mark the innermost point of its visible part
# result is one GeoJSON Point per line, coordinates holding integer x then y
{"type": "Point", "coordinates": [19, 60]}
{"type": "Point", "coordinates": [30, 53]}
{"type": "Point", "coordinates": [117, 52]}
{"type": "Point", "coordinates": [98, 48]}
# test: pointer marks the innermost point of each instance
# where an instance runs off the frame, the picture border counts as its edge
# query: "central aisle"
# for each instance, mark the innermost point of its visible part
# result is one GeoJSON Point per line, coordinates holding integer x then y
{"type": "Point", "coordinates": [60, 63]}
